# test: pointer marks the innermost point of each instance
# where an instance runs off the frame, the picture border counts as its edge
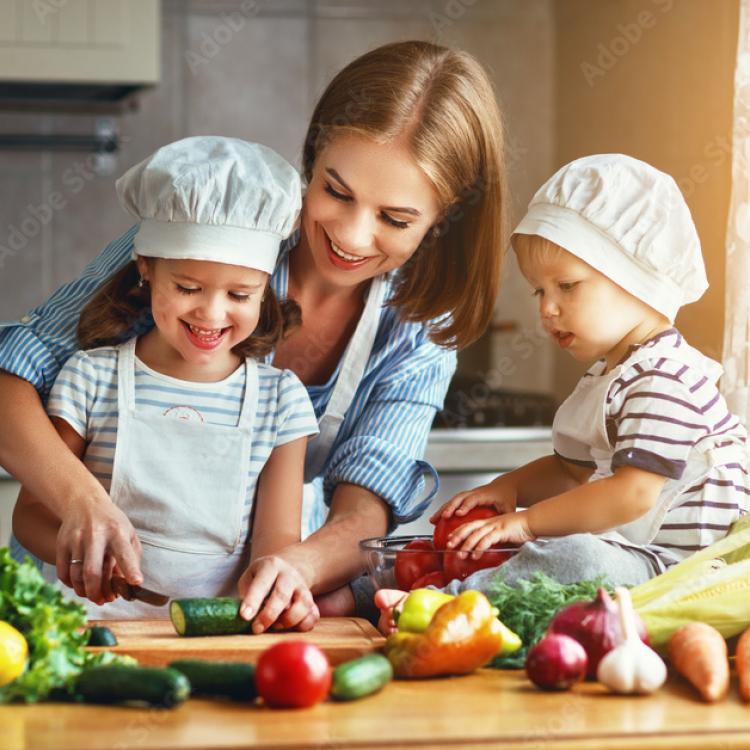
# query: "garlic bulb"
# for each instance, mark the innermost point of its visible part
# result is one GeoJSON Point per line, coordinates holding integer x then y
{"type": "Point", "coordinates": [632, 666]}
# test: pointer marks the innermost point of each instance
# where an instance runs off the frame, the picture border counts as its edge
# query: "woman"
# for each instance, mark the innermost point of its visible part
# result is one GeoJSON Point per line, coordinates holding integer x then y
{"type": "Point", "coordinates": [397, 264]}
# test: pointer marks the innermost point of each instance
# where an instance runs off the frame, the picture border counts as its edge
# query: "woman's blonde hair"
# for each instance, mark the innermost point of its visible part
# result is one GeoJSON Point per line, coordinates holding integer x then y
{"type": "Point", "coordinates": [442, 101]}
{"type": "Point", "coordinates": [121, 302]}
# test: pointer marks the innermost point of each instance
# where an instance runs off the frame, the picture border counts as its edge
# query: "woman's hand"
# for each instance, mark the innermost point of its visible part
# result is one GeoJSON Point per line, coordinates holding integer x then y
{"type": "Point", "coordinates": [274, 593]}
{"type": "Point", "coordinates": [499, 494]}
{"type": "Point", "coordinates": [96, 532]}
{"type": "Point", "coordinates": [478, 536]}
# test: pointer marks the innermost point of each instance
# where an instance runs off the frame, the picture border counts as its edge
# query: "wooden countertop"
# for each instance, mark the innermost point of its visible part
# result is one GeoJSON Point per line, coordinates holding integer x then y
{"type": "Point", "coordinates": [487, 709]}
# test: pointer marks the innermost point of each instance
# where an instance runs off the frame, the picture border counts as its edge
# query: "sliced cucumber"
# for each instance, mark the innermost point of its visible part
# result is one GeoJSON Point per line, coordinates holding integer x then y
{"type": "Point", "coordinates": [101, 636]}
{"type": "Point", "coordinates": [217, 616]}
{"type": "Point", "coordinates": [122, 684]}
{"type": "Point", "coordinates": [234, 680]}
{"type": "Point", "coordinates": [360, 677]}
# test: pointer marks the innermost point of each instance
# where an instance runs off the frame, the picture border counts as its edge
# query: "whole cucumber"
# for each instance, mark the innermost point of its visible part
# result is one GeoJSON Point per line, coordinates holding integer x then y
{"type": "Point", "coordinates": [234, 680]}
{"type": "Point", "coordinates": [360, 677]}
{"type": "Point", "coordinates": [115, 683]}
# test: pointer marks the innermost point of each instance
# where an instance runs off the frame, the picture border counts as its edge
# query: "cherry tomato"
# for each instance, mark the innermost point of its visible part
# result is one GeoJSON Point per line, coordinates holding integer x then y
{"type": "Point", "coordinates": [415, 560]}
{"type": "Point", "coordinates": [445, 526]}
{"type": "Point", "coordinates": [457, 567]}
{"type": "Point", "coordinates": [293, 674]}
{"type": "Point", "coordinates": [435, 578]}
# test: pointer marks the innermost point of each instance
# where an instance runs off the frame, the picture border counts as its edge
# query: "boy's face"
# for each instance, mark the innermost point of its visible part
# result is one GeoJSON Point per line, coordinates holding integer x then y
{"type": "Point", "coordinates": [202, 309]}
{"type": "Point", "coordinates": [585, 312]}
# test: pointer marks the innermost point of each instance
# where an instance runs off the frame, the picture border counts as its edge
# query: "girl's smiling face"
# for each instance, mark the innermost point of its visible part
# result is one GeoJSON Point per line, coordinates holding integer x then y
{"type": "Point", "coordinates": [583, 310]}
{"type": "Point", "coordinates": [202, 309]}
{"type": "Point", "coordinates": [367, 208]}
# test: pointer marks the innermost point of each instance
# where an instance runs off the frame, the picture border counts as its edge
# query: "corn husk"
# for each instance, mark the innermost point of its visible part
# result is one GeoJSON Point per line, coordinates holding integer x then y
{"type": "Point", "coordinates": [711, 586]}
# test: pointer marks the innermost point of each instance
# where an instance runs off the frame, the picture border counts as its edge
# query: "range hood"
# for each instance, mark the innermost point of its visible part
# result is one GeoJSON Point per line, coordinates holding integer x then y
{"type": "Point", "coordinates": [82, 55]}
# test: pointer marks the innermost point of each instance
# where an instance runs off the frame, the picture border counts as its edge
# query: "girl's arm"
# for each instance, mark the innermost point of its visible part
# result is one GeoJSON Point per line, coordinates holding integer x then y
{"type": "Point", "coordinates": [273, 585]}
{"type": "Point", "coordinates": [278, 506]}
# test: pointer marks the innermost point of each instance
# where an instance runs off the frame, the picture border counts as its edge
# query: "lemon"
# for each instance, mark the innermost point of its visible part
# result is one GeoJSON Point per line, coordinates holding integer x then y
{"type": "Point", "coordinates": [13, 653]}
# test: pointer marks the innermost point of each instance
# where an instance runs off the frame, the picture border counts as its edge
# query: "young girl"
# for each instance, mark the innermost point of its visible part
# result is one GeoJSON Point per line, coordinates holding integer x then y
{"type": "Point", "coordinates": [649, 464]}
{"type": "Point", "coordinates": [196, 441]}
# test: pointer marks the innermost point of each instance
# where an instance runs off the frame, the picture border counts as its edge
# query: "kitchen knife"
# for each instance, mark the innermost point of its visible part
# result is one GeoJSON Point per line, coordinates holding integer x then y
{"type": "Point", "coordinates": [128, 592]}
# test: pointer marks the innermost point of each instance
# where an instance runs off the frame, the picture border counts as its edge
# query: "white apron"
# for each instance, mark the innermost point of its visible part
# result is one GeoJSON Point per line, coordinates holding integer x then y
{"type": "Point", "coordinates": [580, 423]}
{"type": "Point", "coordinates": [352, 369]}
{"type": "Point", "coordinates": [183, 487]}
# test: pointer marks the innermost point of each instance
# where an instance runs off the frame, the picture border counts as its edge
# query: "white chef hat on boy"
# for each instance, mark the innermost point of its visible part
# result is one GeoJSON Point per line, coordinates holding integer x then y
{"type": "Point", "coordinates": [212, 198]}
{"type": "Point", "coordinates": [629, 221]}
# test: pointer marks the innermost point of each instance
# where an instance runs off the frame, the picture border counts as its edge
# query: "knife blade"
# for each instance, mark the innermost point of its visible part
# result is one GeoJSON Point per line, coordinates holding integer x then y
{"type": "Point", "coordinates": [129, 592]}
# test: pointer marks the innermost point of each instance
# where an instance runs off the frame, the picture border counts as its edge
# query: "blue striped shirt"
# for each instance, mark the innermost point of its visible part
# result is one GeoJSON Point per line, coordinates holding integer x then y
{"type": "Point", "coordinates": [85, 396]}
{"type": "Point", "coordinates": [381, 442]}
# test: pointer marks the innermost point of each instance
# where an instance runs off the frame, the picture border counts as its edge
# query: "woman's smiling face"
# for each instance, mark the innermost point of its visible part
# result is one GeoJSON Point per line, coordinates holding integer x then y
{"type": "Point", "coordinates": [367, 208]}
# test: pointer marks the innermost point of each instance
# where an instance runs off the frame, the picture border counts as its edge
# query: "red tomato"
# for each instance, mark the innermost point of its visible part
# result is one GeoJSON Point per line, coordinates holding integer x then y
{"type": "Point", "coordinates": [415, 560]}
{"type": "Point", "coordinates": [293, 674]}
{"type": "Point", "coordinates": [445, 526]}
{"type": "Point", "coordinates": [455, 567]}
{"type": "Point", "coordinates": [436, 578]}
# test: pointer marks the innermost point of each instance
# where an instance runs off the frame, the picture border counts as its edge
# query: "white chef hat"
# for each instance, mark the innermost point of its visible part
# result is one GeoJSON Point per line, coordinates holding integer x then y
{"type": "Point", "coordinates": [212, 198]}
{"type": "Point", "coordinates": [629, 221]}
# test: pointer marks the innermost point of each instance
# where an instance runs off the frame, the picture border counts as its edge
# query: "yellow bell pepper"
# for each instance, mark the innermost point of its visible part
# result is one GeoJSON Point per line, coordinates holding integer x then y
{"type": "Point", "coordinates": [463, 635]}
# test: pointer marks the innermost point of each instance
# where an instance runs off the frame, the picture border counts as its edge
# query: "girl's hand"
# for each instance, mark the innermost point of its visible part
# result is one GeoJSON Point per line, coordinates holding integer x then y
{"type": "Point", "coordinates": [273, 592]}
{"type": "Point", "coordinates": [481, 535]}
{"type": "Point", "coordinates": [496, 494]}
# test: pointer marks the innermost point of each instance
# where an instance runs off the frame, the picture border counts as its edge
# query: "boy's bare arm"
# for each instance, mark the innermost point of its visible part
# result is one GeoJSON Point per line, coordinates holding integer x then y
{"type": "Point", "coordinates": [546, 477]}
{"type": "Point", "coordinates": [597, 506]}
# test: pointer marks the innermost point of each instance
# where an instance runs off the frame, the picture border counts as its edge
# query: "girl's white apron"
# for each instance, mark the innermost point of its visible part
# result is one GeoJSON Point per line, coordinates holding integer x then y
{"type": "Point", "coordinates": [183, 487]}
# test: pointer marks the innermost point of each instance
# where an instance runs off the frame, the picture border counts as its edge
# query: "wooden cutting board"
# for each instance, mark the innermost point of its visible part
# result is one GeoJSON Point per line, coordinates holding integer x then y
{"type": "Point", "coordinates": [154, 642]}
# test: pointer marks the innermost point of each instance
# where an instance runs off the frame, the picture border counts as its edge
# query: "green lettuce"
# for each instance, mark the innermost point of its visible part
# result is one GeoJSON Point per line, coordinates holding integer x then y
{"type": "Point", "coordinates": [55, 631]}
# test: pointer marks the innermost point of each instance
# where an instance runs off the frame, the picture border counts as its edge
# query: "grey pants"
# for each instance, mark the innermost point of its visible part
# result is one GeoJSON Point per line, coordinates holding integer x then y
{"type": "Point", "coordinates": [568, 559]}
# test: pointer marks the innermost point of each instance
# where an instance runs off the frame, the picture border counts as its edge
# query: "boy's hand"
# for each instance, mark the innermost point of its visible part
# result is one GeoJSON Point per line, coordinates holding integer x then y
{"type": "Point", "coordinates": [478, 536]}
{"type": "Point", "coordinates": [496, 494]}
{"type": "Point", "coordinates": [273, 592]}
{"type": "Point", "coordinates": [386, 600]}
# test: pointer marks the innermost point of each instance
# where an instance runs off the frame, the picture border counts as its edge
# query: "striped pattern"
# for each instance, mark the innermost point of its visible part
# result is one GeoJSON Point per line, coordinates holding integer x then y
{"type": "Point", "coordinates": [382, 440]}
{"type": "Point", "coordinates": [85, 396]}
{"type": "Point", "coordinates": [660, 415]}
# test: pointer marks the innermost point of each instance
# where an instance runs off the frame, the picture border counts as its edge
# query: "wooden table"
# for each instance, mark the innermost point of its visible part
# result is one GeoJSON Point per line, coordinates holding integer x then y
{"type": "Point", "coordinates": [487, 709]}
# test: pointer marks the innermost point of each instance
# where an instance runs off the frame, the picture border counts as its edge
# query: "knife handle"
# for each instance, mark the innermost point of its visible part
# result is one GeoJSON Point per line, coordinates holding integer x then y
{"type": "Point", "coordinates": [121, 587]}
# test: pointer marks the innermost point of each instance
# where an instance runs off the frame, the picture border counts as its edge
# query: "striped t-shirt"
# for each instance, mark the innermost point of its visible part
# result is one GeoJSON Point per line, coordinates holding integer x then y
{"type": "Point", "coordinates": [660, 415]}
{"type": "Point", "coordinates": [85, 396]}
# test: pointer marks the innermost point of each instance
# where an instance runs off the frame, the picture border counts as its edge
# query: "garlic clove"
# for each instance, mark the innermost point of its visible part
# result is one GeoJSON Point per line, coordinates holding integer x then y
{"type": "Point", "coordinates": [632, 667]}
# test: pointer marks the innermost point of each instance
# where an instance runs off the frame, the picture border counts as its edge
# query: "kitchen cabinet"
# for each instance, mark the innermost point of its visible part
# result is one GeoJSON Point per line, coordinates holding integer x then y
{"type": "Point", "coordinates": [80, 41]}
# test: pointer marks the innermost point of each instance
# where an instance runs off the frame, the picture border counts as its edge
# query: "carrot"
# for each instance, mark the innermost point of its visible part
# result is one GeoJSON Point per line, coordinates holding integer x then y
{"type": "Point", "coordinates": [742, 664]}
{"type": "Point", "coordinates": [699, 653]}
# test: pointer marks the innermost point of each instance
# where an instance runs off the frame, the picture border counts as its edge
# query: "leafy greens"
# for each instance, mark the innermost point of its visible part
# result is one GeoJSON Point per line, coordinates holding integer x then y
{"type": "Point", "coordinates": [54, 629]}
{"type": "Point", "coordinates": [529, 605]}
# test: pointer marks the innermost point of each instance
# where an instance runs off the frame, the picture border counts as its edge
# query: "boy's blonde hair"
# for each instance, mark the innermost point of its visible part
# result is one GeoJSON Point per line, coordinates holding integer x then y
{"type": "Point", "coordinates": [532, 249]}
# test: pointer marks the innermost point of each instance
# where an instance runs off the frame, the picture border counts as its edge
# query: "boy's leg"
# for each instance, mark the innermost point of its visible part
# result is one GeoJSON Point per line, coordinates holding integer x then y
{"type": "Point", "coordinates": [568, 559]}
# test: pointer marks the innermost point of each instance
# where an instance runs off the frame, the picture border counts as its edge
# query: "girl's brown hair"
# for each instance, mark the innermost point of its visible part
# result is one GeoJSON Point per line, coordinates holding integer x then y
{"type": "Point", "coordinates": [120, 303]}
{"type": "Point", "coordinates": [442, 101]}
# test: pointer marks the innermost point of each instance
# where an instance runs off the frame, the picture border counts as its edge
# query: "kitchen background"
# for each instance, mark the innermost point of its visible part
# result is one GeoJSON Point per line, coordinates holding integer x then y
{"type": "Point", "coordinates": [651, 78]}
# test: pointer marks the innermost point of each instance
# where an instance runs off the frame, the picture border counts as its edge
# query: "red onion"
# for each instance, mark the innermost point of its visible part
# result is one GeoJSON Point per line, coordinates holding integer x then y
{"type": "Point", "coordinates": [595, 625]}
{"type": "Point", "coordinates": [556, 662]}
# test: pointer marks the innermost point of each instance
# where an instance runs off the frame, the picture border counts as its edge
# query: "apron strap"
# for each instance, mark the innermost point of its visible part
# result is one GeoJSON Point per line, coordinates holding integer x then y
{"type": "Point", "coordinates": [353, 366]}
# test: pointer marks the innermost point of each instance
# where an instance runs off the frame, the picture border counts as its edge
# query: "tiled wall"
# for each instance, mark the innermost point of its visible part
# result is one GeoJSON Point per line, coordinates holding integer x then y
{"type": "Point", "coordinates": [258, 78]}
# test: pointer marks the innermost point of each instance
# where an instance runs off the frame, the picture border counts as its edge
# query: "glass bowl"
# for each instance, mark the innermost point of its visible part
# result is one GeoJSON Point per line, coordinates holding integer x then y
{"type": "Point", "coordinates": [406, 562]}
